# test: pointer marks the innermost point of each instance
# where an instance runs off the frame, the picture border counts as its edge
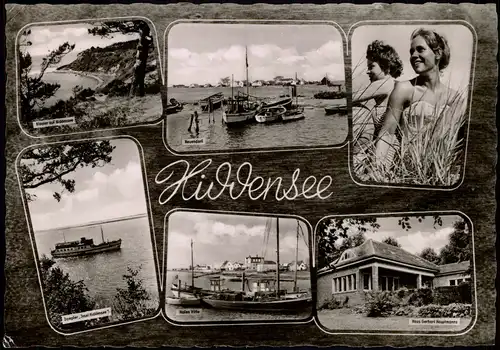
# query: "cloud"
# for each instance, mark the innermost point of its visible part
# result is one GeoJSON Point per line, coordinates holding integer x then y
{"type": "Point", "coordinates": [87, 195]}
{"type": "Point", "coordinates": [417, 241]}
{"type": "Point", "coordinates": [265, 62]}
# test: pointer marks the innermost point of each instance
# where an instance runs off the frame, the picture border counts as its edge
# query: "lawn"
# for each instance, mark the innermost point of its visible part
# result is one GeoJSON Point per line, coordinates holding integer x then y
{"type": "Point", "coordinates": [345, 319]}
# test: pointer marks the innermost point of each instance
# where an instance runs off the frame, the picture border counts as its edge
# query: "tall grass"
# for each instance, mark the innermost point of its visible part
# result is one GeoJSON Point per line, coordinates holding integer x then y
{"type": "Point", "coordinates": [429, 152]}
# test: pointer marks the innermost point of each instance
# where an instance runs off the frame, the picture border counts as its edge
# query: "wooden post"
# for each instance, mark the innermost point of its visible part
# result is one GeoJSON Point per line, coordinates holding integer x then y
{"type": "Point", "coordinates": [191, 123]}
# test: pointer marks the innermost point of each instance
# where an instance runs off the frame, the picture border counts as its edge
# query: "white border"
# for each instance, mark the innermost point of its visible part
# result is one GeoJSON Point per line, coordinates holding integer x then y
{"type": "Point", "coordinates": [471, 83]}
{"type": "Point", "coordinates": [252, 22]}
{"type": "Point", "coordinates": [411, 214]}
{"type": "Point", "coordinates": [87, 20]}
{"type": "Point", "coordinates": [219, 323]}
{"type": "Point", "coordinates": [150, 217]}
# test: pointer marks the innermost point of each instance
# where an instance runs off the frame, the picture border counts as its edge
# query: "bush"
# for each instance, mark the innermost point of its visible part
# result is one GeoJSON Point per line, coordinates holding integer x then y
{"type": "Point", "coordinates": [407, 310]}
{"type": "Point", "coordinates": [331, 304]}
{"type": "Point", "coordinates": [380, 303]}
{"type": "Point", "coordinates": [421, 297]}
{"type": "Point", "coordinates": [453, 294]}
{"type": "Point", "coordinates": [329, 95]}
{"type": "Point", "coordinates": [451, 310]}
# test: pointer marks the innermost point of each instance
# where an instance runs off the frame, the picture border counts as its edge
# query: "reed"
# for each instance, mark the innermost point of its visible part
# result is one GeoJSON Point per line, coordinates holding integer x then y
{"type": "Point", "coordinates": [432, 155]}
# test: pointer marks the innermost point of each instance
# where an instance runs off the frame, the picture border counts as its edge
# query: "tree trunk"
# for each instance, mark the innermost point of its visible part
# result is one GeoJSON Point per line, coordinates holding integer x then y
{"type": "Point", "coordinates": [137, 87]}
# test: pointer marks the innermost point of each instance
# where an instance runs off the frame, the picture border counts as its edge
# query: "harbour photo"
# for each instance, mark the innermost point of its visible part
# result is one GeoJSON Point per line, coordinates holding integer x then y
{"type": "Point", "coordinates": [236, 268]}
{"type": "Point", "coordinates": [240, 86]}
{"type": "Point", "coordinates": [82, 76]}
{"type": "Point", "coordinates": [411, 273]}
{"type": "Point", "coordinates": [411, 85]}
{"type": "Point", "coordinates": [87, 206]}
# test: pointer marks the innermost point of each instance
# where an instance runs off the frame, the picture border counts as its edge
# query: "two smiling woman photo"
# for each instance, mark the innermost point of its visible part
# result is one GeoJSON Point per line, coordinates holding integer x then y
{"type": "Point", "coordinates": [409, 131]}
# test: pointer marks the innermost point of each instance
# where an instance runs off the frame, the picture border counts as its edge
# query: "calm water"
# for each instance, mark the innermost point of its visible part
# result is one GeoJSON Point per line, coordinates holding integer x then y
{"type": "Point", "coordinates": [67, 81]}
{"type": "Point", "coordinates": [102, 273]}
{"type": "Point", "coordinates": [229, 315]}
{"type": "Point", "coordinates": [316, 129]}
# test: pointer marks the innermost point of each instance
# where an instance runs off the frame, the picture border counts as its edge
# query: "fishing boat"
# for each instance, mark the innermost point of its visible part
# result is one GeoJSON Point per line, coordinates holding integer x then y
{"type": "Point", "coordinates": [83, 247]}
{"type": "Point", "coordinates": [270, 114]}
{"type": "Point", "coordinates": [185, 300]}
{"type": "Point", "coordinates": [336, 109]}
{"type": "Point", "coordinates": [173, 106]}
{"type": "Point", "coordinates": [264, 296]}
{"type": "Point", "coordinates": [294, 112]}
{"type": "Point", "coordinates": [240, 109]}
{"type": "Point", "coordinates": [212, 102]}
{"type": "Point", "coordinates": [286, 102]}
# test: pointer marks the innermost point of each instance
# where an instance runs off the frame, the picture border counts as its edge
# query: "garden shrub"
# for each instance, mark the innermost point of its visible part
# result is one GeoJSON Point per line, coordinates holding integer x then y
{"type": "Point", "coordinates": [380, 303]}
{"type": "Point", "coordinates": [453, 294]}
{"type": "Point", "coordinates": [421, 297]}
{"type": "Point", "coordinates": [407, 310]}
{"type": "Point", "coordinates": [331, 304]}
{"type": "Point", "coordinates": [451, 310]}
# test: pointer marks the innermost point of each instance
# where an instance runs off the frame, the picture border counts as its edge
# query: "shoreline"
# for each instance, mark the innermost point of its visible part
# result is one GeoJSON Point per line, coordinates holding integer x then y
{"type": "Point", "coordinates": [100, 81]}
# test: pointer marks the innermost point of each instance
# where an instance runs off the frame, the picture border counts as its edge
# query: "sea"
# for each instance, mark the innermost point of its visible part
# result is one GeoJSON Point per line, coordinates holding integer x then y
{"type": "Point", "coordinates": [68, 81]}
{"type": "Point", "coordinates": [102, 273]}
{"type": "Point", "coordinates": [315, 130]}
{"type": "Point", "coordinates": [207, 314]}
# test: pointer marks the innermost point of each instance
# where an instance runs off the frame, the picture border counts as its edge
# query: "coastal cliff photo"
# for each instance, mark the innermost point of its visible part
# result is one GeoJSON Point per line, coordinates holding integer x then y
{"type": "Point", "coordinates": [87, 76]}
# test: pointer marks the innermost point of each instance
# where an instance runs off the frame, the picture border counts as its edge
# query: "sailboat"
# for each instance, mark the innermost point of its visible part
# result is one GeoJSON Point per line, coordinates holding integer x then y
{"type": "Point", "coordinates": [188, 297]}
{"type": "Point", "coordinates": [262, 298]}
{"type": "Point", "coordinates": [295, 112]}
{"type": "Point", "coordinates": [239, 109]}
{"type": "Point", "coordinates": [85, 246]}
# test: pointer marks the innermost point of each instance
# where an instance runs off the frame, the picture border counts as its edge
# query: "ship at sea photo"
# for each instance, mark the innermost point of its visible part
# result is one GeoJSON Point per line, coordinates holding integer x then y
{"type": "Point", "coordinates": [95, 252]}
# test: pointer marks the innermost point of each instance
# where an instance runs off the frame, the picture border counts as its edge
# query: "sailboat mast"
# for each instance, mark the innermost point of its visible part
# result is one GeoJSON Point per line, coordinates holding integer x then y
{"type": "Point", "coordinates": [277, 257]}
{"type": "Point", "coordinates": [102, 235]}
{"type": "Point", "coordinates": [296, 260]}
{"type": "Point", "coordinates": [192, 265]}
{"type": "Point", "coordinates": [246, 68]}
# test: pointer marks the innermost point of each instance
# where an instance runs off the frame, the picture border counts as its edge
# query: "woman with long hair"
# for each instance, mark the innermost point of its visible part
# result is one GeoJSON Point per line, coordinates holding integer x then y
{"type": "Point", "coordinates": [421, 124]}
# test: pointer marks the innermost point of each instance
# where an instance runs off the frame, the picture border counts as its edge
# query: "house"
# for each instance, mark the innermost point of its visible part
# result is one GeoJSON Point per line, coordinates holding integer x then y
{"type": "Point", "coordinates": [376, 266]}
{"type": "Point", "coordinates": [301, 266]}
{"type": "Point", "coordinates": [337, 86]}
{"type": "Point", "coordinates": [257, 83]}
{"type": "Point", "coordinates": [238, 266]}
{"type": "Point", "coordinates": [266, 265]}
{"type": "Point", "coordinates": [251, 262]}
{"type": "Point", "coordinates": [227, 266]}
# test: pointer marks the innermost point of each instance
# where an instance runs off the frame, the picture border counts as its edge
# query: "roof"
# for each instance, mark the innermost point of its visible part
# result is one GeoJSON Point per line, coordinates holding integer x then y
{"type": "Point", "coordinates": [269, 262]}
{"type": "Point", "coordinates": [454, 267]}
{"type": "Point", "coordinates": [371, 248]}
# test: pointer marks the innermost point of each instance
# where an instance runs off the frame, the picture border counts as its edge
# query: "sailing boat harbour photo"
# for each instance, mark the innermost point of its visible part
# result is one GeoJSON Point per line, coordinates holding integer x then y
{"type": "Point", "coordinates": [254, 268]}
{"type": "Point", "coordinates": [254, 86]}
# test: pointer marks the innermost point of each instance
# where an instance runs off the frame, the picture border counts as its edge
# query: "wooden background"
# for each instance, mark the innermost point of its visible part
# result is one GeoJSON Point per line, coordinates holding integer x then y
{"type": "Point", "coordinates": [25, 320]}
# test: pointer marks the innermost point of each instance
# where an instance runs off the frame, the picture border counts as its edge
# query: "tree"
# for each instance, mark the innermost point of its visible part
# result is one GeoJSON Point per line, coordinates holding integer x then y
{"type": "Point", "coordinates": [132, 302]}
{"type": "Point", "coordinates": [108, 28]}
{"type": "Point", "coordinates": [51, 164]}
{"type": "Point", "coordinates": [33, 90]}
{"type": "Point", "coordinates": [459, 247]}
{"type": "Point", "coordinates": [225, 81]}
{"type": "Point", "coordinates": [330, 230]}
{"type": "Point", "coordinates": [430, 255]}
{"type": "Point", "coordinates": [391, 241]}
{"type": "Point", "coordinates": [62, 295]}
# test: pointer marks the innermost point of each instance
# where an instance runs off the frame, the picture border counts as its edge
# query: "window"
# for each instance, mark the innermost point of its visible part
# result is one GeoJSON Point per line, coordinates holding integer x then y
{"type": "Point", "coordinates": [367, 281]}
{"type": "Point", "coordinates": [452, 283]}
{"type": "Point", "coordinates": [344, 283]}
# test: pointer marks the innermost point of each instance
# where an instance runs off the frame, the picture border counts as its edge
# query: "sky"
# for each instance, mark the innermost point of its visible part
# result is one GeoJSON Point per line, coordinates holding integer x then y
{"type": "Point", "coordinates": [206, 52]}
{"type": "Point", "coordinates": [112, 191]}
{"type": "Point", "coordinates": [220, 237]}
{"type": "Point", "coordinates": [44, 39]}
{"type": "Point", "coordinates": [421, 235]}
{"type": "Point", "coordinates": [460, 41]}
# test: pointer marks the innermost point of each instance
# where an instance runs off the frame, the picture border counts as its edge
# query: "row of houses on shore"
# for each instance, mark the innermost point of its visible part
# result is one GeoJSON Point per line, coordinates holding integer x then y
{"type": "Point", "coordinates": [253, 263]}
{"type": "Point", "coordinates": [339, 85]}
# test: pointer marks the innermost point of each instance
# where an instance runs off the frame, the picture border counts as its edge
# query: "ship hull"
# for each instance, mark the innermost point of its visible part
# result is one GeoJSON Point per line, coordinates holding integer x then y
{"type": "Point", "coordinates": [238, 118]}
{"type": "Point", "coordinates": [282, 305]}
{"type": "Point", "coordinates": [101, 248]}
